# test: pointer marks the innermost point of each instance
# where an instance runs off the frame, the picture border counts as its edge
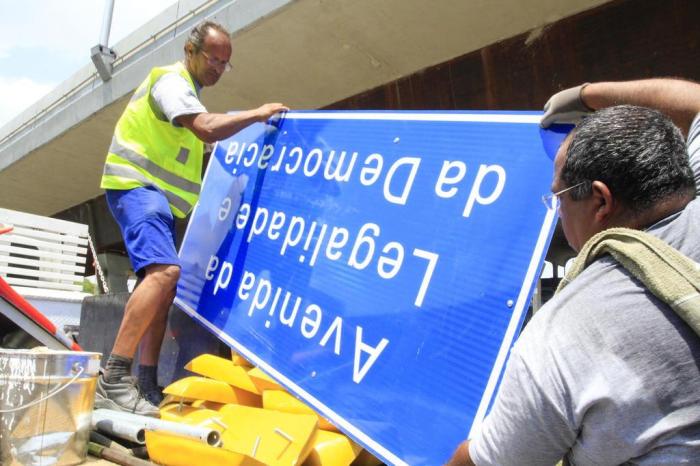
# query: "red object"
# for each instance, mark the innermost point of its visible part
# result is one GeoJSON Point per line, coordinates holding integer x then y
{"type": "Point", "coordinates": [30, 312]}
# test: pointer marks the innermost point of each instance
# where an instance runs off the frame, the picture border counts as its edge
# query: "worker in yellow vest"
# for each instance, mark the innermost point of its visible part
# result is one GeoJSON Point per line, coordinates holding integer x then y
{"type": "Point", "coordinates": [153, 174]}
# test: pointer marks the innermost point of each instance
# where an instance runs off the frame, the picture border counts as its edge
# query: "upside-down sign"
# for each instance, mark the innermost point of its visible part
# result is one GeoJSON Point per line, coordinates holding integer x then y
{"type": "Point", "coordinates": [377, 264]}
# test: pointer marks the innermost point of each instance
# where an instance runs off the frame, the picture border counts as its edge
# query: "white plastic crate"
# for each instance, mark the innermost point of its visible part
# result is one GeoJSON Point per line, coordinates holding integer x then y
{"type": "Point", "coordinates": [44, 260]}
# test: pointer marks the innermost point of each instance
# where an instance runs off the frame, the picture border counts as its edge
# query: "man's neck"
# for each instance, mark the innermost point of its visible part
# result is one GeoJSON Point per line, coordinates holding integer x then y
{"type": "Point", "coordinates": [198, 86]}
{"type": "Point", "coordinates": [661, 210]}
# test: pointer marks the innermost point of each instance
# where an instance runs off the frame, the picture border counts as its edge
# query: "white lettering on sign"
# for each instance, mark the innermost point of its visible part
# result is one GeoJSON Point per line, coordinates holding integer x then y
{"type": "Point", "coordinates": [265, 156]}
{"type": "Point", "coordinates": [310, 240]}
{"type": "Point", "coordinates": [359, 369]}
{"type": "Point", "coordinates": [475, 195]}
{"type": "Point", "coordinates": [342, 166]}
{"type": "Point", "coordinates": [453, 172]}
{"type": "Point", "coordinates": [402, 185]}
{"type": "Point", "coordinates": [367, 247]}
{"type": "Point", "coordinates": [224, 277]}
{"type": "Point", "coordinates": [397, 181]}
{"type": "Point", "coordinates": [337, 170]}
{"type": "Point", "coordinates": [446, 178]}
{"type": "Point", "coordinates": [278, 306]}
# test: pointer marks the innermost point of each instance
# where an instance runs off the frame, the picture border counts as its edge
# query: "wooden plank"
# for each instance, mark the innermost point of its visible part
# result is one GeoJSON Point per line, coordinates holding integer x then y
{"type": "Point", "coordinates": [56, 254]}
{"type": "Point", "coordinates": [42, 245]}
{"type": "Point", "coordinates": [42, 255]}
{"type": "Point", "coordinates": [43, 284]}
{"type": "Point", "coordinates": [23, 219]}
{"type": "Point", "coordinates": [53, 295]}
{"type": "Point", "coordinates": [50, 236]}
{"type": "Point", "coordinates": [40, 264]}
{"type": "Point", "coordinates": [68, 277]}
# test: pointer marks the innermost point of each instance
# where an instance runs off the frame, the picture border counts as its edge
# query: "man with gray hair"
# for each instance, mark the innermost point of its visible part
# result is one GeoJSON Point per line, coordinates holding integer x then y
{"type": "Point", "coordinates": [608, 371]}
{"type": "Point", "coordinates": [153, 174]}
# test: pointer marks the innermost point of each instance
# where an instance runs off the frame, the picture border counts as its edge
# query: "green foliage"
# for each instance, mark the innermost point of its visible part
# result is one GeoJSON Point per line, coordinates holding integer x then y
{"type": "Point", "coordinates": [89, 287]}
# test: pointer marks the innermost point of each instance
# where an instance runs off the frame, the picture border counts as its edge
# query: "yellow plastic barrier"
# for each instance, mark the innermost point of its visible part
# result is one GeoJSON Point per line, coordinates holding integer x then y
{"type": "Point", "coordinates": [191, 415]}
{"type": "Point", "coordinates": [168, 399]}
{"type": "Point", "coordinates": [332, 449]}
{"type": "Point", "coordinates": [239, 360]}
{"type": "Point", "coordinates": [207, 405]}
{"type": "Point", "coordinates": [286, 432]}
{"type": "Point", "coordinates": [282, 401]}
{"type": "Point", "coordinates": [172, 450]}
{"type": "Point", "coordinates": [224, 370]}
{"type": "Point", "coordinates": [274, 438]}
{"type": "Point", "coordinates": [263, 381]}
{"type": "Point", "coordinates": [201, 388]}
{"type": "Point", "coordinates": [365, 458]}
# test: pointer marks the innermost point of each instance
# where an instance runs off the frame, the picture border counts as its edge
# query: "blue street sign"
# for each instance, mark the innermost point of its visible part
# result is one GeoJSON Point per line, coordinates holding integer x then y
{"type": "Point", "coordinates": [377, 264]}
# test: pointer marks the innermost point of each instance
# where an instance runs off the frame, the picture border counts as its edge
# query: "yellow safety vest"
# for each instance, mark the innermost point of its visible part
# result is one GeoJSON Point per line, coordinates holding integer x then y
{"type": "Point", "coordinates": [147, 150]}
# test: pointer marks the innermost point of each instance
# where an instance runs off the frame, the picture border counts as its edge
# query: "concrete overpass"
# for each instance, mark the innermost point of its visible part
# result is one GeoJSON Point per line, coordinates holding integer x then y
{"type": "Point", "coordinates": [306, 53]}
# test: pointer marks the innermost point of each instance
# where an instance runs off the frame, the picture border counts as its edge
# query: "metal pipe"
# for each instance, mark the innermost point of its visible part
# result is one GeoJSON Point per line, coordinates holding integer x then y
{"type": "Point", "coordinates": [118, 427]}
{"type": "Point", "coordinates": [106, 23]}
{"type": "Point", "coordinates": [211, 437]}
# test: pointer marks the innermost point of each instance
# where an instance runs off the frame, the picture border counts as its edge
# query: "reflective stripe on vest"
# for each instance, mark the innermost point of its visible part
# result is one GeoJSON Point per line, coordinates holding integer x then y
{"type": "Point", "coordinates": [141, 161]}
{"type": "Point", "coordinates": [128, 172]}
{"type": "Point", "coordinates": [147, 150]}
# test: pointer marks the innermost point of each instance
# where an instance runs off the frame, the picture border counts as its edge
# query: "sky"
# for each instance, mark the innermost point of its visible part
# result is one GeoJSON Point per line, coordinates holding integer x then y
{"type": "Point", "coordinates": [43, 42]}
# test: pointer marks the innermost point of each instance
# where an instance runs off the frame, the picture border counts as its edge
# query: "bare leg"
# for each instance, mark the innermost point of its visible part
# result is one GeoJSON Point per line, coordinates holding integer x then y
{"type": "Point", "coordinates": [147, 311]}
{"type": "Point", "coordinates": [153, 339]}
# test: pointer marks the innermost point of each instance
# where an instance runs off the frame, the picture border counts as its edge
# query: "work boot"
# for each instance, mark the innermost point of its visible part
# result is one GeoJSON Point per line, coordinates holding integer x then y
{"type": "Point", "coordinates": [155, 396]}
{"type": "Point", "coordinates": [148, 383]}
{"type": "Point", "coordinates": [123, 395]}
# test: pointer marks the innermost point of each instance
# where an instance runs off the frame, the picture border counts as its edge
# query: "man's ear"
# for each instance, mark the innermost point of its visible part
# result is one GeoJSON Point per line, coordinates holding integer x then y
{"type": "Point", "coordinates": [604, 203]}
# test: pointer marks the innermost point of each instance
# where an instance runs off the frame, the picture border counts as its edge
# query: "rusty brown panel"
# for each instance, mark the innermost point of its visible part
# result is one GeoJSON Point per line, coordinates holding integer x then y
{"type": "Point", "coordinates": [431, 88]}
{"type": "Point", "coordinates": [467, 82]}
{"type": "Point", "coordinates": [428, 89]}
{"type": "Point", "coordinates": [379, 98]}
{"type": "Point", "coordinates": [508, 70]}
{"type": "Point", "coordinates": [406, 97]}
{"type": "Point", "coordinates": [623, 39]}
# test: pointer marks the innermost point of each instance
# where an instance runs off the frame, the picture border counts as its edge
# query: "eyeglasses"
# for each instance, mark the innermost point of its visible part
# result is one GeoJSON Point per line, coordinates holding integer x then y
{"type": "Point", "coordinates": [217, 63]}
{"type": "Point", "coordinates": [551, 200]}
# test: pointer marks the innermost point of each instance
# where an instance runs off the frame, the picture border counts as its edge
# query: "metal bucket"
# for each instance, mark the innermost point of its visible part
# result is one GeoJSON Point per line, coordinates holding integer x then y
{"type": "Point", "coordinates": [46, 400]}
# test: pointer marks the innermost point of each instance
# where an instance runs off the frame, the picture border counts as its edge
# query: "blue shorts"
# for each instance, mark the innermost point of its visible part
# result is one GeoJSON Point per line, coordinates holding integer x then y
{"type": "Point", "coordinates": [147, 226]}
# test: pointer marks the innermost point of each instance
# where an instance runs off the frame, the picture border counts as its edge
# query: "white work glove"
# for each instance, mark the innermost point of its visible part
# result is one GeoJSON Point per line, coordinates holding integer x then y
{"type": "Point", "coordinates": [565, 107]}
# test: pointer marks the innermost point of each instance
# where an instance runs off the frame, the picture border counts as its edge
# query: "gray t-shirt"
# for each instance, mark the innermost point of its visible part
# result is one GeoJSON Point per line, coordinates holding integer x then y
{"type": "Point", "coordinates": [604, 373]}
{"type": "Point", "coordinates": [174, 96]}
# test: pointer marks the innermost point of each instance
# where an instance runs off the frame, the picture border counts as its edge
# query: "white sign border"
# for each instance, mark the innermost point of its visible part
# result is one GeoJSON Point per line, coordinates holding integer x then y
{"type": "Point", "coordinates": [497, 369]}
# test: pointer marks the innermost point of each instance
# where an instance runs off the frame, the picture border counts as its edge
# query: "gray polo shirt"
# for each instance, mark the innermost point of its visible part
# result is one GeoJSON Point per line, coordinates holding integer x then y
{"type": "Point", "coordinates": [604, 373]}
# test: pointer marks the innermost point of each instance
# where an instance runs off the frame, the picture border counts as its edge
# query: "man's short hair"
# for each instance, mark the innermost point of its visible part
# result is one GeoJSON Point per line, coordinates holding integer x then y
{"type": "Point", "coordinates": [637, 152]}
{"type": "Point", "coordinates": [199, 33]}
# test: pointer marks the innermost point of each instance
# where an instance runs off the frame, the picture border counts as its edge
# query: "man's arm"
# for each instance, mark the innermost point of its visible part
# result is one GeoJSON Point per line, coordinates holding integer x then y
{"type": "Point", "coordinates": [529, 423]}
{"type": "Point", "coordinates": [212, 127]}
{"type": "Point", "coordinates": [678, 99]}
{"type": "Point", "coordinates": [461, 456]}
